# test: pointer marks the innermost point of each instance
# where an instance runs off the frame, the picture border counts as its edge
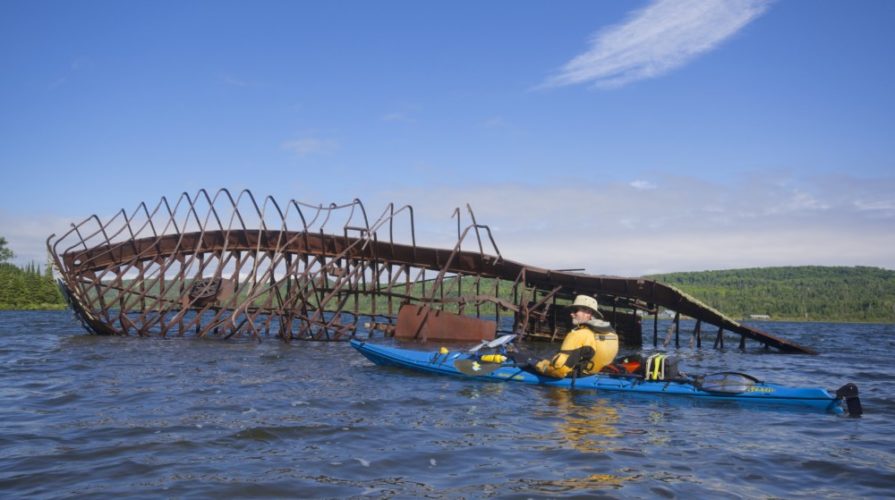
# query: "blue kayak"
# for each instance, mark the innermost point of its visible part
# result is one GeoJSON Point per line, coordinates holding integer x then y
{"type": "Point", "coordinates": [746, 389]}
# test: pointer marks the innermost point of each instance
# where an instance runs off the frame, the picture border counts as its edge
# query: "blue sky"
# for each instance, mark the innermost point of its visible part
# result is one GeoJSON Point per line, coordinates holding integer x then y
{"type": "Point", "coordinates": [621, 137]}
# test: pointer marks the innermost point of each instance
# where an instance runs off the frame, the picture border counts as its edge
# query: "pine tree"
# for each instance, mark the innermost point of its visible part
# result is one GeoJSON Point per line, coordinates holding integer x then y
{"type": "Point", "coordinates": [6, 275]}
{"type": "Point", "coordinates": [18, 290]}
{"type": "Point", "coordinates": [5, 253]}
{"type": "Point", "coordinates": [32, 286]}
{"type": "Point", "coordinates": [49, 290]}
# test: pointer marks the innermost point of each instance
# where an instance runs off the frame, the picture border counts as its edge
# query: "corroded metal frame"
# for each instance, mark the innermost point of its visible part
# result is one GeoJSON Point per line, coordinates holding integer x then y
{"type": "Point", "coordinates": [225, 266]}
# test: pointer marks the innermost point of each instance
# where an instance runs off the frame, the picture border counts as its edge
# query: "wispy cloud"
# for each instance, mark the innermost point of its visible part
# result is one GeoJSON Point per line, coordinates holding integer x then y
{"type": "Point", "coordinates": [657, 39]}
{"type": "Point", "coordinates": [495, 122]}
{"type": "Point", "coordinates": [882, 207]}
{"type": "Point", "coordinates": [27, 234]}
{"type": "Point", "coordinates": [303, 146]}
{"type": "Point", "coordinates": [398, 117]}
{"type": "Point", "coordinates": [236, 82]}
{"type": "Point", "coordinates": [607, 227]}
{"type": "Point", "coordinates": [688, 224]}
{"type": "Point", "coordinates": [74, 66]}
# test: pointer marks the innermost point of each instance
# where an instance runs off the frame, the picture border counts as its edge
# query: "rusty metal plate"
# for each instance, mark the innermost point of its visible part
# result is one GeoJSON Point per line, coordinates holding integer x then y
{"type": "Point", "coordinates": [424, 323]}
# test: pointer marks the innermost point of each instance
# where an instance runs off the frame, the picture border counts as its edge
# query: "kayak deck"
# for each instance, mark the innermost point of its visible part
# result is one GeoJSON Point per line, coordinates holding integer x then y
{"type": "Point", "coordinates": [443, 364]}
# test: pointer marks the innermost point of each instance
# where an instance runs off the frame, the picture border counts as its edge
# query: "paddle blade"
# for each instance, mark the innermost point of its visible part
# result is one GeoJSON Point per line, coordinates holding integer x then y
{"type": "Point", "coordinates": [499, 341]}
{"type": "Point", "coordinates": [475, 368]}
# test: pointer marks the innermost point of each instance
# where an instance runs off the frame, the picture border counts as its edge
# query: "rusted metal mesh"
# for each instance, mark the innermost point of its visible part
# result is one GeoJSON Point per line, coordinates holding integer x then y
{"type": "Point", "coordinates": [224, 266]}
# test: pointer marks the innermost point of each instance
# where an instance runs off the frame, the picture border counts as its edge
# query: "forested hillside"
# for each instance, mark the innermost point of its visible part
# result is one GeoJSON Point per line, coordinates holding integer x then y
{"type": "Point", "coordinates": [812, 293]}
{"type": "Point", "coordinates": [28, 288]}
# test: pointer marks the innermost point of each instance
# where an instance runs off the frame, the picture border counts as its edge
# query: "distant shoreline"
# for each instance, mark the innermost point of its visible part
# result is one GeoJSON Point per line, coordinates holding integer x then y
{"type": "Point", "coordinates": [751, 321]}
{"type": "Point", "coordinates": [859, 294]}
{"type": "Point", "coordinates": [59, 307]}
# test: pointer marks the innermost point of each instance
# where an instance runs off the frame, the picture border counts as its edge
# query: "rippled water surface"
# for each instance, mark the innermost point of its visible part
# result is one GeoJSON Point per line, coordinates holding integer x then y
{"type": "Point", "coordinates": [90, 416]}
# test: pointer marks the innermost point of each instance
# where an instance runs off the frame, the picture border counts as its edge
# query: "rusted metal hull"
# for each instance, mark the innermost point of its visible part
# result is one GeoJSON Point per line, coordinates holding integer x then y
{"type": "Point", "coordinates": [424, 323]}
{"type": "Point", "coordinates": [219, 266]}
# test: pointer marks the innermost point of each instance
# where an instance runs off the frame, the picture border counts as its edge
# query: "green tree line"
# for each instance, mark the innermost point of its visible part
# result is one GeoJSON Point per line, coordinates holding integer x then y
{"type": "Point", "coordinates": [803, 293]}
{"type": "Point", "coordinates": [26, 287]}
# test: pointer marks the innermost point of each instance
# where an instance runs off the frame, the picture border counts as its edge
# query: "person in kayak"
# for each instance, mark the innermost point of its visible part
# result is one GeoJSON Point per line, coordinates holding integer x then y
{"type": "Point", "coordinates": [589, 332]}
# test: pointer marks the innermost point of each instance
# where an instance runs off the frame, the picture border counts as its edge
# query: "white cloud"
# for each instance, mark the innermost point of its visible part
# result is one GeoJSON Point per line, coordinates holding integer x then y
{"type": "Point", "coordinates": [26, 236]}
{"type": "Point", "coordinates": [657, 39]}
{"type": "Point", "coordinates": [304, 146]}
{"type": "Point", "coordinates": [689, 224]}
{"type": "Point", "coordinates": [642, 185]}
{"type": "Point", "coordinates": [798, 201]}
{"type": "Point", "coordinates": [79, 63]}
{"type": "Point", "coordinates": [398, 117]}
{"type": "Point", "coordinates": [495, 122]}
{"type": "Point", "coordinates": [236, 82]}
{"type": "Point", "coordinates": [884, 207]}
{"type": "Point", "coordinates": [608, 228]}
{"type": "Point", "coordinates": [75, 65]}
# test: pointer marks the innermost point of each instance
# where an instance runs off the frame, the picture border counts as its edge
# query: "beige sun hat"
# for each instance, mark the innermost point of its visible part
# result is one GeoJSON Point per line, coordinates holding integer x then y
{"type": "Point", "coordinates": [587, 302]}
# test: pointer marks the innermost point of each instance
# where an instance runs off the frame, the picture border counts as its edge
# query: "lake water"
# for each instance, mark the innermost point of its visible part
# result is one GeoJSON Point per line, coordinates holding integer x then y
{"type": "Point", "coordinates": [87, 416]}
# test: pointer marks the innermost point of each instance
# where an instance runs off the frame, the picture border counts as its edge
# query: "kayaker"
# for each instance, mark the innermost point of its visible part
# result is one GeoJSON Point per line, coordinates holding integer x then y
{"type": "Point", "coordinates": [588, 332]}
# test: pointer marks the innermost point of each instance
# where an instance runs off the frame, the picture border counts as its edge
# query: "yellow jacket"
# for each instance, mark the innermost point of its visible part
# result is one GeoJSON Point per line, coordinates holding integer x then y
{"type": "Point", "coordinates": [605, 347]}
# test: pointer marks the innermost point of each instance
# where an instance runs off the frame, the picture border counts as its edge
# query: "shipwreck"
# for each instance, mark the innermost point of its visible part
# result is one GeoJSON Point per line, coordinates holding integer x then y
{"type": "Point", "coordinates": [224, 266]}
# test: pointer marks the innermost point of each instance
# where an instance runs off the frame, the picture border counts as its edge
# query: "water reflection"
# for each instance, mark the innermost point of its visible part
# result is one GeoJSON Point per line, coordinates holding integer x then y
{"type": "Point", "coordinates": [583, 484]}
{"type": "Point", "coordinates": [476, 391]}
{"type": "Point", "coordinates": [589, 426]}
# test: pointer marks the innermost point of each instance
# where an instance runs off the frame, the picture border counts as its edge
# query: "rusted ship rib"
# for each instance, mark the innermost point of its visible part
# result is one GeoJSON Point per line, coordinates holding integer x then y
{"type": "Point", "coordinates": [224, 266]}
